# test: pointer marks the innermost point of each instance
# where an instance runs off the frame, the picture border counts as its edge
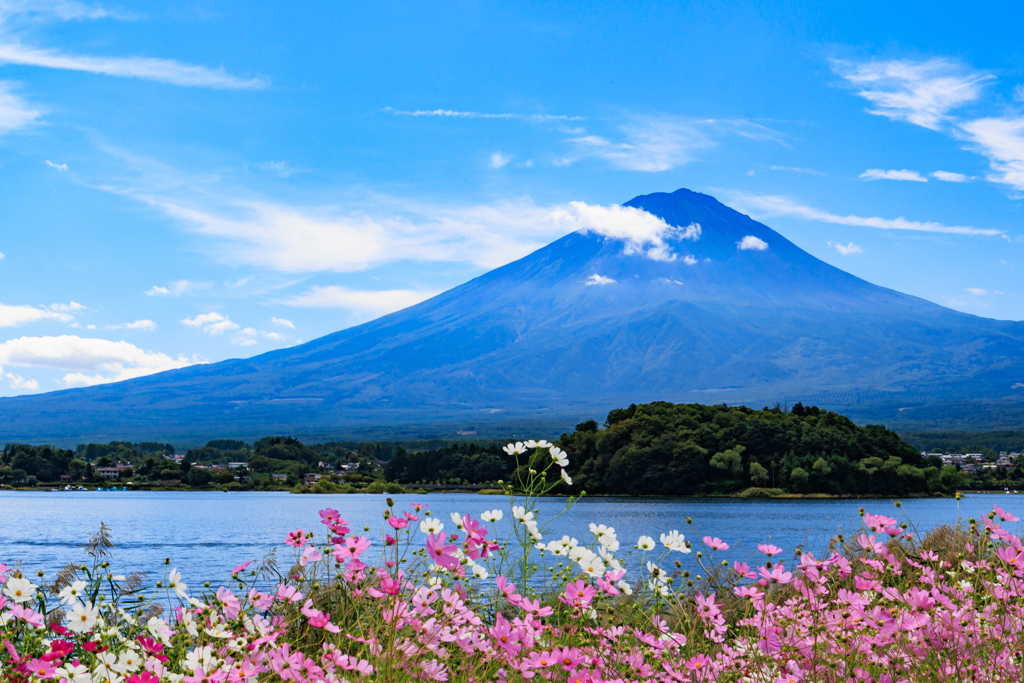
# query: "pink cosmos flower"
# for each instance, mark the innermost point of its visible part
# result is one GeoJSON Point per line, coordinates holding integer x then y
{"type": "Point", "coordinates": [1009, 555]}
{"type": "Point", "coordinates": [143, 677]}
{"type": "Point", "coordinates": [231, 605]}
{"type": "Point", "coordinates": [310, 554]}
{"type": "Point", "coordinates": [746, 592]}
{"type": "Point", "coordinates": [508, 590]}
{"type": "Point", "coordinates": [245, 671]}
{"type": "Point", "coordinates": [698, 662]}
{"type": "Point", "coordinates": [3, 573]}
{"type": "Point", "coordinates": [567, 657]}
{"type": "Point", "coordinates": [288, 593]}
{"type": "Point", "coordinates": [398, 523]}
{"type": "Point", "coordinates": [717, 543]}
{"type": "Point", "coordinates": [27, 615]}
{"type": "Point", "coordinates": [541, 660]}
{"type": "Point", "coordinates": [353, 547]}
{"type": "Point", "coordinates": [296, 539]}
{"type": "Point", "coordinates": [41, 668]}
{"type": "Point", "coordinates": [61, 648]}
{"type": "Point", "coordinates": [329, 516]}
{"type": "Point", "coordinates": [769, 550]}
{"type": "Point", "coordinates": [578, 594]}
{"type": "Point", "coordinates": [241, 567]}
{"type": "Point", "coordinates": [442, 554]}
{"type": "Point", "coordinates": [706, 607]}
{"type": "Point", "coordinates": [743, 569]}
{"type": "Point", "coordinates": [920, 599]}
{"type": "Point", "coordinates": [778, 574]}
{"type": "Point", "coordinates": [1004, 515]}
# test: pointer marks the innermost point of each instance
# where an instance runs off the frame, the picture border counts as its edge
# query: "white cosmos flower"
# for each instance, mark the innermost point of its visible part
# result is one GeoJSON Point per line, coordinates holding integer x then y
{"type": "Point", "coordinates": [189, 620]}
{"type": "Point", "coordinates": [129, 660]}
{"type": "Point", "coordinates": [82, 617]}
{"type": "Point", "coordinates": [457, 518]}
{"type": "Point", "coordinates": [566, 478]}
{"type": "Point", "coordinates": [645, 543]}
{"type": "Point", "coordinates": [674, 540]}
{"type": "Point", "coordinates": [69, 594]}
{"type": "Point", "coordinates": [431, 525]}
{"type": "Point", "coordinates": [531, 526]}
{"type": "Point", "coordinates": [578, 552]}
{"type": "Point", "coordinates": [657, 572]}
{"type": "Point", "coordinates": [609, 559]}
{"type": "Point", "coordinates": [658, 587]}
{"type": "Point", "coordinates": [76, 674]}
{"type": "Point", "coordinates": [200, 658]}
{"type": "Point", "coordinates": [592, 566]}
{"type": "Point", "coordinates": [598, 529]}
{"type": "Point", "coordinates": [479, 572]}
{"type": "Point", "coordinates": [517, 448]}
{"type": "Point", "coordinates": [492, 515]}
{"type": "Point", "coordinates": [542, 444]}
{"type": "Point", "coordinates": [519, 512]}
{"type": "Point", "coordinates": [159, 628]}
{"type": "Point", "coordinates": [20, 590]}
{"type": "Point", "coordinates": [625, 587]}
{"type": "Point", "coordinates": [558, 455]}
{"type": "Point", "coordinates": [174, 581]}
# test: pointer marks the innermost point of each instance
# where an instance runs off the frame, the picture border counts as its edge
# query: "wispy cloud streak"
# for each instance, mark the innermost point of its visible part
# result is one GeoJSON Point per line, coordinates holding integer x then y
{"type": "Point", "coordinates": [147, 68]}
{"type": "Point", "coordinates": [773, 205]}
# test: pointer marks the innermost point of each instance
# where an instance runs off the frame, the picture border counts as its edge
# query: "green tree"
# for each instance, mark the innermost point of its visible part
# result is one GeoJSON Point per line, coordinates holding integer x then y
{"type": "Point", "coordinates": [758, 474]}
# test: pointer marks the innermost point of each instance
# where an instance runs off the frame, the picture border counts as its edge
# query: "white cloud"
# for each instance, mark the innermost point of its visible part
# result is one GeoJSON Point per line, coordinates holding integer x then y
{"type": "Point", "coordinates": [773, 205]}
{"type": "Point", "coordinates": [148, 68]}
{"type": "Point", "coordinates": [846, 249]}
{"type": "Point", "coordinates": [62, 10]}
{"type": "Point", "coordinates": [976, 291]}
{"type": "Point", "coordinates": [178, 287]}
{"type": "Point", "coordinates": [654, 144]}
{"type": "Point", "coordinates": [879, 174]}
{"type": "Point", "coordinates": [596, 279]}
{"type": "Point", "coordinates": [1001, 141]}
{"type": "Point", "coordinates": [281, 168]}
{"type": "Point", "coordinates": [117, 359]}
{"type": "Point", "coordinates": [19, 382]}
{"type": "Point", "coordinates": [642, 232]}
{"type": "Point", "coordinates": [244, 341]}
{"type": "Point", "coordinates": [451, 113]}
{"type": "Point", "coordinates": [15, 113]}
{"type": "Point", "coordinates": [498, 160]}
{"type": "Point", "coordinates": [146, 325]}
{"type": "Point", "coordinates": [211, 323]}
{"type": "Point", "coordinates": [949, 176]}
{"type": "Point", "coordinates": [275, 336]}
{"type": "Point", "coordinates": [751, 243]}
{"type": "Point", "coordinates": [281, 322]}
{"type": "Point", "coordinates": [12, 316]}
{"type": "Point", "coordinates": [59, 167]}
{"type": "Point", "coordinates": [689, 260]}
{"type": "Point", "coordinates": [1018, 385]}
{"type": "Point", "coordinates": [2, 255]}
{"type": "Point", "coordinates": [922, 93]}
{"type": "Point", "coordinates": [366, 302]}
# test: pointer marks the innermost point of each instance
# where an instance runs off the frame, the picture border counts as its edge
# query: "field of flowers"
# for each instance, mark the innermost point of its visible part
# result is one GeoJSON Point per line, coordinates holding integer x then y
{"type": "Point", "coordinates": [448, 601]}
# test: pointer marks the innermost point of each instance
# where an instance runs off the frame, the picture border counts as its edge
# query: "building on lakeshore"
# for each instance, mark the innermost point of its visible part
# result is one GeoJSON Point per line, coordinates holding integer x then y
{"type": "Point", "coordinates": [108, 472]}
{"type": "Point", "coordinates": [311, 478]}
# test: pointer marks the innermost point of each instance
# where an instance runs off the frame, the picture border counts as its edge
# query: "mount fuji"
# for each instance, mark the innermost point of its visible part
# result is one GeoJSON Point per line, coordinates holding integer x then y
{"type": "Point", "coordinates": [715, 307]}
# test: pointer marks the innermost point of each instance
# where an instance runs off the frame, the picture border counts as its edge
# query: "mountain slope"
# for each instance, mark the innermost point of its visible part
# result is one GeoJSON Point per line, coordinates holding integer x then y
{"type": "Point", "coordinates": [715, 323]}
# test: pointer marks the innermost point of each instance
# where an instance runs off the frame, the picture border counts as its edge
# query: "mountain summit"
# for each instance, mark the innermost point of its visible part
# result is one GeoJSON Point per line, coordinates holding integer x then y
{"type": "Point", "coordinates": [703, 305]}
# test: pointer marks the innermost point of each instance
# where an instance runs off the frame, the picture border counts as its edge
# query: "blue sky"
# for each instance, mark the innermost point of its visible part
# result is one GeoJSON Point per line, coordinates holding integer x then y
{"type": "Point", "coordinates": [185, 182]}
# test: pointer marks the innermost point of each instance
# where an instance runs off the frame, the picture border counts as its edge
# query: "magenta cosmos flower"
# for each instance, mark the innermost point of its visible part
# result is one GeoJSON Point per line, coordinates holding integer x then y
{"type": "Point", "coordinates": [440, 553]}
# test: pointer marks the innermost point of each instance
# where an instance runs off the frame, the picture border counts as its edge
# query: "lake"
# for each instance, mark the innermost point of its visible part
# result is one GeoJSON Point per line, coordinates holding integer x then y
{"type": "Point", "coordinates": [205, 534]}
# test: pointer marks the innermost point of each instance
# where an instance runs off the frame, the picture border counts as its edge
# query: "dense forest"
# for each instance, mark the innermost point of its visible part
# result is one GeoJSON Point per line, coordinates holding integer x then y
{"type": "Point", "coordinates": [687, 449]}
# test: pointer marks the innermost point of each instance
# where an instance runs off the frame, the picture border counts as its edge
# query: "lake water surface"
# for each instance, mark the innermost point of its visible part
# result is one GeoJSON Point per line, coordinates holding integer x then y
{"type": "Point", "coordinates": [205, 534]}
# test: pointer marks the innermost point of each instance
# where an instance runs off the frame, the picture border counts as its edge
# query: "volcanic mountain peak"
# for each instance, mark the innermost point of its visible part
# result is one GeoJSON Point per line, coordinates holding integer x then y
{"type": "Point", "coordinates": [687, 301]}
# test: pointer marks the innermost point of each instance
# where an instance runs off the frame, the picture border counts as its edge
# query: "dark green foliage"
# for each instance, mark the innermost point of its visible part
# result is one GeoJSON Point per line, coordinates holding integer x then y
{"type": "Point", "coordinates": [987, 443]}
{"type": "Point", "coordinates": [685, 449]}
{"type": "Point", "coordinates": [455, 464]}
